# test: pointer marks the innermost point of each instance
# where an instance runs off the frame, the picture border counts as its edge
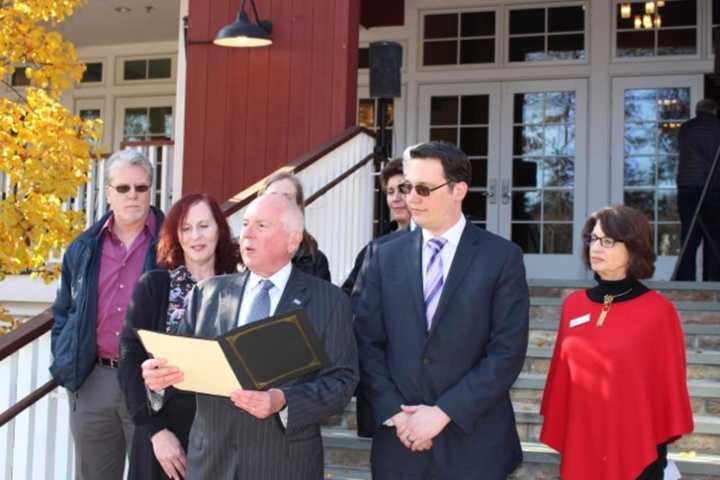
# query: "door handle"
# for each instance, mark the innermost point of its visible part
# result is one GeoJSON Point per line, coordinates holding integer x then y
{"type": "Point", "coordinates": [491, 192]}
{"type": "Point", "coordinates": [505, 188]}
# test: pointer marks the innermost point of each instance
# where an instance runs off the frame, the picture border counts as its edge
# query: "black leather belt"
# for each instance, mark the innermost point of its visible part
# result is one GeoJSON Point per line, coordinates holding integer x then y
{"type": "Point", "coordinates": [108, 362]}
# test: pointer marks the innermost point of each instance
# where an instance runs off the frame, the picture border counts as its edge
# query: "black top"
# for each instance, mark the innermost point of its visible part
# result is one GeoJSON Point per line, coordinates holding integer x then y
{"type": "Point", "coordinates": [616, 287]}
{"type": "Point", "coordinates": [698, 139]}
{"type": "Point", "coordinates": [315, 264]}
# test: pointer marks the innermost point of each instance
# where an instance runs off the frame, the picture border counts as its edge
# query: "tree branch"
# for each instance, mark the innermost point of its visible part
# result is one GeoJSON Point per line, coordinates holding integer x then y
{"type": "Point", "coordinates": [14, 90]}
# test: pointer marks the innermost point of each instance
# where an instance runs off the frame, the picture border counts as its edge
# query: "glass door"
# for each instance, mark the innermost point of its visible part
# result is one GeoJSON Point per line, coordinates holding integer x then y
{"type": "Point", "coordinates": [143, 119]}
{"type": "Point", "coordinates": [543, 174]}
{"type": "Point", "coordinates": [647, 115]}
{"type": "Point", "coordinates": [468, 115]}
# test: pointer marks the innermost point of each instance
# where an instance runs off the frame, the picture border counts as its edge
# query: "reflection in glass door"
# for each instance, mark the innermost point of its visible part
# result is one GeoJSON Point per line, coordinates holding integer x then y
{"type": "Point", "coordinates": [543, 203]}
{"type": "Point", "coordinates": [648, 115]}
{"type": "Point", "coordinates": [468, 116]}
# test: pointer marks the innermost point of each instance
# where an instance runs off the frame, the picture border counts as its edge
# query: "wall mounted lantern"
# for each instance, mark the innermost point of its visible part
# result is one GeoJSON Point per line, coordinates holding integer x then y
{"type": "Point", "coordinates": [244, 33]}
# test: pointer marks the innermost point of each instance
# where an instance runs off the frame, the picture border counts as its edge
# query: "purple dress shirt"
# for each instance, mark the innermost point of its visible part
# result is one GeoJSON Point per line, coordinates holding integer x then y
{"type": "Point", "coordinates": [120, 269]}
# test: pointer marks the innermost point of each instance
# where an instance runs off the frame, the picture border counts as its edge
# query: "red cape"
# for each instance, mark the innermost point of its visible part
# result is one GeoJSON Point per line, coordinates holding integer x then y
{"type": "Point", "coordinates": [615, 392]}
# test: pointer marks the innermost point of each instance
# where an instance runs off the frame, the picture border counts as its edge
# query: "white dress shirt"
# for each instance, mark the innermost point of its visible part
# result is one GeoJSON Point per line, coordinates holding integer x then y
{"type": "Point", "coordinates": [252, 288]}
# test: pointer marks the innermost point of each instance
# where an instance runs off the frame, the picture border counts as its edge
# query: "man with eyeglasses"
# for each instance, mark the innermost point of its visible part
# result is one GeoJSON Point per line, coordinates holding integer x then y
{"type": "Point", "coordinates": [99, 271]}
{"type": "Point", "coordinates": [442, 330]}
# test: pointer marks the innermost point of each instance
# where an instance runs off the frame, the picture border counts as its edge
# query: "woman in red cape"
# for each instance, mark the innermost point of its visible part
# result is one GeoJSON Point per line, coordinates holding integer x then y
{"type": "Point", "coordinates": [616, 392]}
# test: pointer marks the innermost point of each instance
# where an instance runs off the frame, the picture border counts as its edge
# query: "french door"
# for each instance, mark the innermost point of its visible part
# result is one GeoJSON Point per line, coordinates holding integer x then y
{"type": "Point", "coordinates": [526, 142]}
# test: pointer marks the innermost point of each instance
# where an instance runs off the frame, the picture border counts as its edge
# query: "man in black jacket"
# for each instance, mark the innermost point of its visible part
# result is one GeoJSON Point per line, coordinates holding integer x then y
{"type": "Point", "coordinates": [699, 140]}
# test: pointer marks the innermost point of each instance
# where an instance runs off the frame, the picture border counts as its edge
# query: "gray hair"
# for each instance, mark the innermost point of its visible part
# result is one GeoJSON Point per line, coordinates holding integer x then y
{"type": "Point", "coordinates": [707, 106]}
{"type": "Point", "coordinates": [128, 157]}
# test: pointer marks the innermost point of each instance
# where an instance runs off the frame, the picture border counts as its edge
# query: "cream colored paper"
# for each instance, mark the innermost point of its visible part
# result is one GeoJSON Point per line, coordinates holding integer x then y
{"type": "Point", "coordinates": [202, 361]}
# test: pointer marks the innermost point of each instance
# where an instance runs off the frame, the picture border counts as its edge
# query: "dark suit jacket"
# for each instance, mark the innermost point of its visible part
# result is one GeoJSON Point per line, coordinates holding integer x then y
{"type": "Point", "coordinates": [227, 443]}
{"type": "Point", "coordinates": [465, 365]}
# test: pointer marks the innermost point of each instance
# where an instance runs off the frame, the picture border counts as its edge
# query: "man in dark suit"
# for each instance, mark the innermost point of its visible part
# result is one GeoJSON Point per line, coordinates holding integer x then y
{"type": "Point", "coordinates": [274, 434]}
{"type": "Point", "coordinates": [442, 329]}
{"type": "Point", "coordinates": [699, 140]}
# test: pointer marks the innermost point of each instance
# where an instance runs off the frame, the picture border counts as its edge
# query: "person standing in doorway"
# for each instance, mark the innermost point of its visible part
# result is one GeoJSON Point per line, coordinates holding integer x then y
{"type": "Point", "coordinates": [699, 140]}
{"type": "Point", "coordinates": [99, 271]}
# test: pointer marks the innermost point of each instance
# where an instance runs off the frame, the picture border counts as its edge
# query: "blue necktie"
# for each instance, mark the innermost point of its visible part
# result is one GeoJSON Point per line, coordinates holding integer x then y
{"type": "Point", "coordinates": [260, 307]}
{"type": "Point", "coordinates": [433, 278]}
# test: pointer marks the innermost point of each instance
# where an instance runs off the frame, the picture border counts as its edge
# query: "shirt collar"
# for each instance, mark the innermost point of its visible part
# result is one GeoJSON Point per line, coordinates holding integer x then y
{"type": "Point", "coordinates": [452, 235]}
{"type": "Point", "coordinates": [279, 278]}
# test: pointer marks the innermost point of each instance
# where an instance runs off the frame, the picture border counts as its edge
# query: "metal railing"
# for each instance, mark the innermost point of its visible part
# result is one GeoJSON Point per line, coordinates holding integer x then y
{"type": "Point", "coordinates": [35, 439]}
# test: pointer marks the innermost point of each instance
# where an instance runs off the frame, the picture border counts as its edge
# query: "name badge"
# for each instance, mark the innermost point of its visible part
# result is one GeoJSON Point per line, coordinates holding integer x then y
{"type": "Point", "coordinates": [580, 320]}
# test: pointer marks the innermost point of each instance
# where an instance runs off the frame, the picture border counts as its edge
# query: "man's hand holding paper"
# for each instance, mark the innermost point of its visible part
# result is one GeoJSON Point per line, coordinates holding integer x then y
{"type": "Point", "coordinates": [159, 375]}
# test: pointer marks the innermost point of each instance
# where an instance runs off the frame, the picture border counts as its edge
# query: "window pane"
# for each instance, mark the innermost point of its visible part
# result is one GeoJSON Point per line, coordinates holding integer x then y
{"type": "Point", "coordinates": [558, 205]}
{"type": "Point", "coordinates": [566, 19]}
{"type": "Point", "coordinates": [474, 141]}
{"type": "Point", "coordinates": [667, 205]}
{"type": "Point", "coordinates": [559, 107]}
{"type": "Point", "coordinates": [716, 12]}
{"type": "Point", "coordinates": [674, 104]}
{"type": "Point", "coordinates": [679, 13]}
{"type": "Point", "coordinates": [440, 53]}
{"type": "Point", "coordinates": [528, 141]}
{"type": "Point", "coordinates": [527, 21]}
{"type": "Point", "coordinates": [635, 44]}
{"type": "Point", "coordinates": [441, 26]}
{"type": "Point", "coordinates": [527, 49]}
{"type": "Point", "coordinates": [677, 42]}
{"type": "Point", "coordinates": [640, 138]}
{"type": "Point", "coordinates": [557, 238]}
{"type": "Point", "coordinates": [526, 172]}
{"type": "Point", "coordinates": [445, 134]}
{"type": "Point", "coordinates": [479, 172]}
{"type": "Point", "coordinates": [475, 109]}
{"type": "Point", "coordinates": [639, 171]}
{"type": "Point", "coordinates": [640, 105]}
{"type": "Point", "coordinates": [528, 107]}
{"type": "Point", "coordinates": [668, 239]}
{"type": "Point", "coordinates": [636, 8]}
{"type": "Point", "coordinates": [566, 47]}
{"type": "Point", "coordinates": [160, 68]}
{"type": "Point", "coordinates": [527, 236]}
{"type": "Point", "coordinates": [477, 51]}
{"type": "Point", "coordinates": [667, 171]}
{"type": "Point", "coordinates": [364, 57]}
{"type": "Point", "coordinates": [559, 140]}
{"type": "Point", "coordinates": [161, 121]}
{"type": "Point", "coordinates": [93, 72]}
{"type": "Point", "coordinates": [135, 70]}
{"type": "Point", "coordinates": [475, 205]}
{"type": "Point", "coordinates": [643, 201]}
{"type": "Point", "coordinates": [136, 124]}
{"type": "Point", "coordinates": [477, 24]}
{"type": "Point", "coordinates": [386, 106]}
{"type": "Point", "coordinates": [444, 111]}
{"type": "Point", "coordinates": [668, 138]}
{"type": "Point", "coordinates": [526, 205]}
{"type": "Point", "coordinates": [89, 114]}
{"type": "Point", "coordinates": [716, 38]}
{"type": "Point", "coordinates": [559, 172]}
{"type": "Point", "coordinates": [19, 79]}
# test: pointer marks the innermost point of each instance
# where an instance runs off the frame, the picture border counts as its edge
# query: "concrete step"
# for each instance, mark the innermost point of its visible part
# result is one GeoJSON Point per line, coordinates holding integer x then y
{"type": "Point", "coordinates": [348, 457]}
{"type": "Point", "coordinates": [675, 291]}
{"type": "Point", "coordinates": [704, 365]}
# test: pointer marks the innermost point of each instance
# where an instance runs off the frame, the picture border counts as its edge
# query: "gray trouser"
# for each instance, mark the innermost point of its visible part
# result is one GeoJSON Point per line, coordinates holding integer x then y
{"type": "Point", "coordinates": [101, 427]}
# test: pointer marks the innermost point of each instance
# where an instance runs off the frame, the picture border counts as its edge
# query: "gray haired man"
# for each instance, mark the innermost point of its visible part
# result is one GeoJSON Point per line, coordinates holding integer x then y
{"type": "Point", "coordinates": [99, 271]}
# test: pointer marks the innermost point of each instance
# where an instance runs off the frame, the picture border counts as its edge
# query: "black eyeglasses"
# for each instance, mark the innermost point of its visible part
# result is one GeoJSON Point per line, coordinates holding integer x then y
{"type": "Point", "coordinates": [605, 242]}
{"type": "Point", "coordinates": [422, 190]}
{"type": "Point", "coordinates": [126, 188]}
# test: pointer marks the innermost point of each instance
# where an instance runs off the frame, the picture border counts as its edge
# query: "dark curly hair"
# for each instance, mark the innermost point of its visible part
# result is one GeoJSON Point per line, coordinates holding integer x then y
{"type": "Point", "coordinates": [629, 226]}
{"type": "Point", "coordinates": [169, 253]}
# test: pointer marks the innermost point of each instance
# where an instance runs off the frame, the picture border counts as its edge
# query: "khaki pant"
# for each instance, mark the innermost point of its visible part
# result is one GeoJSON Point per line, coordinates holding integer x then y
{"type": "Point", "coordinates": [101, 427]}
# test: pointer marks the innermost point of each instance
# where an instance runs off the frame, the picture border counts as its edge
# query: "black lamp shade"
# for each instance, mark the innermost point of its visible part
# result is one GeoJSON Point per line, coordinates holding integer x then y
{"type": "Point", "coordinates": [243, 33]}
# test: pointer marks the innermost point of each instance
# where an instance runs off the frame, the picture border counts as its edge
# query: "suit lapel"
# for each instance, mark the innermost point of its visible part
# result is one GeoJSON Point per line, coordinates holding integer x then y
{"type": "Point", "coordinates": [415, 276]}
{"type": "Point", "coordinates": [464, 256]}
{"type": "Point", "coordinates": [230, 300]}
{"type": "Point", "coordinates": [294, 296]}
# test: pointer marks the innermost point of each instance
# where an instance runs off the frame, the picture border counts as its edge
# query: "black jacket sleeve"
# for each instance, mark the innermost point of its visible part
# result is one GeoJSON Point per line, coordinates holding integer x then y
{"type": "Point", "coordinates": [147, 309]}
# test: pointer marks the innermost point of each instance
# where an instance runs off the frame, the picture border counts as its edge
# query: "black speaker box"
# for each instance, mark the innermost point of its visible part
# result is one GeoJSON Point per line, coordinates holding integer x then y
{"type": "Point", "coordinates": [385, 61]}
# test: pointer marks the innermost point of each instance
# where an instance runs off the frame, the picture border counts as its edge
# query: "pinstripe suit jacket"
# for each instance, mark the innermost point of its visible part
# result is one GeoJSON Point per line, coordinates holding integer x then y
{"type": "Point", "coordinates": [226, 442]}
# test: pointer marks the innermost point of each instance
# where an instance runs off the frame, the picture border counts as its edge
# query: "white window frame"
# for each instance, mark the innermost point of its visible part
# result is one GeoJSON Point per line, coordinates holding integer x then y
{"type": "Point", "coordinates": [96, 103]}
{"type": "Point", "coordinates": [421, 67]}
{"type": "Point", "coordinates": [656, 58]}
{"type": "Point", "coordinates": [546, 34]}
{"type": "Point", "coordinates": [120, 69]}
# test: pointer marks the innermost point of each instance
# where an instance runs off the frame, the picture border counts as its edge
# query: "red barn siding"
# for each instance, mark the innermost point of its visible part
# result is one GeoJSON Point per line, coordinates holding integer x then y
{"type": "Point", "coordinates": [250, 111]}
